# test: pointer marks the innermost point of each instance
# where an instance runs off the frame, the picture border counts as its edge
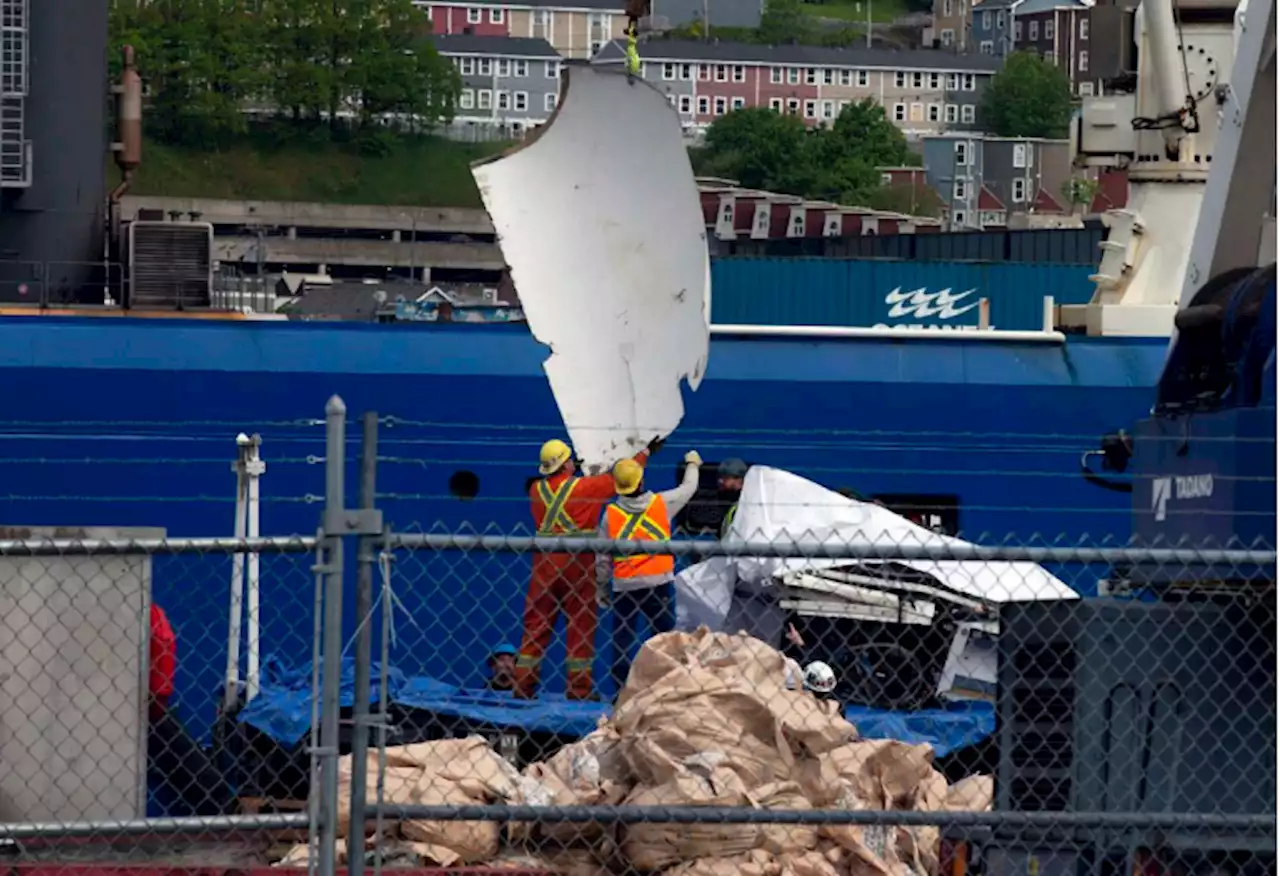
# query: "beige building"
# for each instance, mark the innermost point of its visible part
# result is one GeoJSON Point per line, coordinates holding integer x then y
{"type": "Point", "coordinates": [952, 23]}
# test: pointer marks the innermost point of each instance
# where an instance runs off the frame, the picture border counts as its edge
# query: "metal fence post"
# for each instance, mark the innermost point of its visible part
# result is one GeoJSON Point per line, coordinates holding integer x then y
{"type": "Point", "coordinates": [366, 556]}
{"type": "Point", "coordinates": [335, 502]}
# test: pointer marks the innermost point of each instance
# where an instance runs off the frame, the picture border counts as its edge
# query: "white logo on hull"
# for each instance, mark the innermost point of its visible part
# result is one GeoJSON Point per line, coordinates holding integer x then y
{"type": "Point", "coordinates": [922, 304]}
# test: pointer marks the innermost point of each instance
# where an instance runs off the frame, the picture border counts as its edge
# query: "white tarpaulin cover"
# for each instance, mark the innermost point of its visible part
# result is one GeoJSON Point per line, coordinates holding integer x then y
{"type": "Point", "coordinates": [599, 218]}
{"type": "Point", "coordinates": [782, 508]}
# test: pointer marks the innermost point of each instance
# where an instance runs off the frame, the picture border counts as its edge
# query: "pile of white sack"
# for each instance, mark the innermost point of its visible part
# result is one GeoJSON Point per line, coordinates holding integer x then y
{"type": "Point", "coordinates": [706, 719]}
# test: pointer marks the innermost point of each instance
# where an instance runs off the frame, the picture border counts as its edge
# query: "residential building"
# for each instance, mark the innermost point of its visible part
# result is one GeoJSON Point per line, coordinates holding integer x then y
{"type": "Point", "coordinates": [721, 13]}
{"type": "Point", "coordinates": [992, 31]}
{"type": "Point", "coordinates": [508, 83]}
{"type": "Point", "coordinates": [951, 24]}
{"type": "Point", "coordinates": [987, 181]}
{"type": "Point", "coordinates": [1058, 30]}
{"type": "Point", "coordinates": [922, 91]}
{"type": "Point", "coordinates": [576, 29]}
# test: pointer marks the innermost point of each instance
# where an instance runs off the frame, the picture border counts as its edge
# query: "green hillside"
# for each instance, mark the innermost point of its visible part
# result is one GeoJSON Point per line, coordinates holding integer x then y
{"type": "Point", "coordinates": [420, 171]}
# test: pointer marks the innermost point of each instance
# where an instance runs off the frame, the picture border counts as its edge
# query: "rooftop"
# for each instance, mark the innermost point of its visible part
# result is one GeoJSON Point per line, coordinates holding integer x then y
{"type": "Point", "coordinates": [509, 47]}
{"type": "Point", "coordinates": [806, 56]}
{"type": "Point", "coordinates": [1029, 7]}
{"type": "Point", "coordinates": [595, 5]}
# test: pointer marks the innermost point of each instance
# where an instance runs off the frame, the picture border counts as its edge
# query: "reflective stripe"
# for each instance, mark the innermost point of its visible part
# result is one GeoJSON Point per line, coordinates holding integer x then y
{"type": "Point", "coordinates": [557, 521]}
{"type": "Point", "coordinates": [578, 664]}
{"type": "Point", "coordinates": [728, 521]}
{"type": "Point", "coordinates": [528, 661]}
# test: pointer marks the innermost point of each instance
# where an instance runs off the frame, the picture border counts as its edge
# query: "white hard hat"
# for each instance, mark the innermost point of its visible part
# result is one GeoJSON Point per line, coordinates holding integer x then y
{"type": "Point", "coordinates": [819, 678]}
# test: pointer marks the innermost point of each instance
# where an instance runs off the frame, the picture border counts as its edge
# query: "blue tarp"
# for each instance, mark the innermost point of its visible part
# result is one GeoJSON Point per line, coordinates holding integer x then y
{"type": "Point", "coordinates": [282, 711]}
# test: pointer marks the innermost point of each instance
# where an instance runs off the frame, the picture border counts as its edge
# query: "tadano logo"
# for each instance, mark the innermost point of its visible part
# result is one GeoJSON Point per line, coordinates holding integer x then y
{"type": "Point", "coordinates": [1178, 487]}
{"type": "Point", "coordinates": [1160, 489]}
{"type": "Point", "coordinates": [922, 304]}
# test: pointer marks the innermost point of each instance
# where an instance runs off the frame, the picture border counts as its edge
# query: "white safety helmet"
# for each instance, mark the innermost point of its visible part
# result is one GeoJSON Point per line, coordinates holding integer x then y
{"type": "Point", "coordinates": [819, 678]}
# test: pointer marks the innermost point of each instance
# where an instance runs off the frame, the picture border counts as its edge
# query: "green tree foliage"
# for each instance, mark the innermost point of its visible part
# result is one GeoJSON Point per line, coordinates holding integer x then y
{"type": "Point", "coordinates": [1029, 97]}
{"type": "Point", "coordinates": [764, 149]}
{"type": "Point", "coordinates": [209, 64]}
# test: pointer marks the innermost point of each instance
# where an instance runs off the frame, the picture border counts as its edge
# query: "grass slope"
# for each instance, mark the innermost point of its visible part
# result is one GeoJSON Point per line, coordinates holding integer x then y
{"type": "Point", "coordinates": [855, 11]}
{"type": "Point", "coordinates": [426, 172]}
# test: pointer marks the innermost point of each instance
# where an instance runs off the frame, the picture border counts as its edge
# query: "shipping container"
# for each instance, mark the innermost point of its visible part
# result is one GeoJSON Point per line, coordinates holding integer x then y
{"type": "Point", "coordinates": [853, 292]}
{"type": "Point", "coordinates": [1059, 246]}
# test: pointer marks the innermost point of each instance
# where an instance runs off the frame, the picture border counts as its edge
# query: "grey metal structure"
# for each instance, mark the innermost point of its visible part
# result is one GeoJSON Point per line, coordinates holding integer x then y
{"type": "Point", "coordinates": [53, 144]}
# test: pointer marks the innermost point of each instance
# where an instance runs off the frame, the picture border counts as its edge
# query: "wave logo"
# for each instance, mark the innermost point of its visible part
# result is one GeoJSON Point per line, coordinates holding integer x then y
{"type": "Point", "coordinates": [923, 304]}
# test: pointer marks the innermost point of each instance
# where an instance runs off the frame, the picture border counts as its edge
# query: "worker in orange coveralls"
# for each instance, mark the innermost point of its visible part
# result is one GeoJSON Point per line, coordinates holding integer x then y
{"type": "Point", "coordinates": [568, 506]}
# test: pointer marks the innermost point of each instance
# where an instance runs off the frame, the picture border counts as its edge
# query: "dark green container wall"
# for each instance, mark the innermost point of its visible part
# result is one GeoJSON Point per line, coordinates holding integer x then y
{"type": "Point", "coordinates": [856, 293]}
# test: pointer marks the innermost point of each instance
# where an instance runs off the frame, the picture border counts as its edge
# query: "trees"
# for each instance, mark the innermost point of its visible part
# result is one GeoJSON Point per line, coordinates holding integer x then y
{"type": "Point", "coordinates": [1029, 97]}
{"type": "Point", "coordinates": [768, 150]}
{"type": "Point", "coordinates": [307, 61]}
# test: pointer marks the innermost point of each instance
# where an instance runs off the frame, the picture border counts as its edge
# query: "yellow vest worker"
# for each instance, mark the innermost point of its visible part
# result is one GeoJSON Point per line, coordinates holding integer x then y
{"type": "Point", "coordinates": [640, 583]}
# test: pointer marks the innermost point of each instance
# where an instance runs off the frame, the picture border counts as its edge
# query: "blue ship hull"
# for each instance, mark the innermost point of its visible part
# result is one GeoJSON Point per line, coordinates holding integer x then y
{"type": "Point", "coordinates": [131, 423]}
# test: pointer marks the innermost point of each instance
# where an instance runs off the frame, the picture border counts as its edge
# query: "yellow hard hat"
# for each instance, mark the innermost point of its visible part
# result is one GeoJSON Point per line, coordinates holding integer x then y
{"type": "Point", "coordinates": [553, 455]}
{"type": "Point", "coordinates": [627, 475]}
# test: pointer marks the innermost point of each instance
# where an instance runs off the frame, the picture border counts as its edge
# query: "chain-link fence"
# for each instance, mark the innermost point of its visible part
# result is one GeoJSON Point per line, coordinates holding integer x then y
{"type": "Point", "coordinates": [773, 679]}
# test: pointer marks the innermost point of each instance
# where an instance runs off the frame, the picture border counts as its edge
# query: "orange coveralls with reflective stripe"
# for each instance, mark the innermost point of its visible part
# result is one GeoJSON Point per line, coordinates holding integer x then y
{"type": "Point", "coordinates": [564, 582]}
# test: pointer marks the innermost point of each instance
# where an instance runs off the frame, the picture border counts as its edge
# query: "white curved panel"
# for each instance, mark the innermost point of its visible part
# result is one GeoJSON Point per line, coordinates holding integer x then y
{"type": "Point", "coordinates": [599, 219]}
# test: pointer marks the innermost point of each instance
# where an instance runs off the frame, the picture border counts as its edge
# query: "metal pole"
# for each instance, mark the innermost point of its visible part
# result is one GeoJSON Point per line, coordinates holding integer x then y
{"type": "Point", "coordinates": [335, 413]}
{"type": "Point", "coordinates": [365, 558]}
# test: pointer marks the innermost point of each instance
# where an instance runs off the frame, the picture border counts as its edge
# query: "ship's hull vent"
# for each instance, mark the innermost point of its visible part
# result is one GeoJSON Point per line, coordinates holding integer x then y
{"type": "Point", "coordinates": [170, 265]}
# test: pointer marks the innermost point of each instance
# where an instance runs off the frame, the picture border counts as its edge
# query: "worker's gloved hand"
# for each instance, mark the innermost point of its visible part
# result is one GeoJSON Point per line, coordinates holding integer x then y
{"type": "Point", "coordinates": [693, 458]}
{"type": "Point", "coordinates": [656, 444]}
{"type": "Point", "coordinates": [603, 597]}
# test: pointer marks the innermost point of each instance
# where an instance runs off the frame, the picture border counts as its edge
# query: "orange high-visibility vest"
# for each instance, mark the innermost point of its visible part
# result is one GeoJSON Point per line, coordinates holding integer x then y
{"type": "Point", "coordinates": [651, 524]}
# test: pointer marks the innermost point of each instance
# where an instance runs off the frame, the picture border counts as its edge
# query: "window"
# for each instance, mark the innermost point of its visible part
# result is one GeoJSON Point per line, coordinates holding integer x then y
{"type": "Point", "coordinates": [722, 106]}
{"type": "Point", "coordinates": [466, 99]}
{"type": "Point", "coordinates": [1086, 89]}
{"type": "Point", "coordinates": [828, 109]}
{"type": "Point", "coordinates": [467, 66]}
{"type": "Point", "coordinates": [1084, 62]}
{"type": "Point", "coordinates": [960, 190]}
{"type": "Point", "coordinates": [917, 112]}
{"type": "Point", "coordinates": [953, 82]}
{"type": "Point", "coordinates": [810, 76]}
{"type": "Point", "coordinates": [686, 104]}
{"type": "Point", "coordinates": [952, 112]}
{"type": "Point", "coordinates": [990, 217]}
{"type": "Point", "coordinates": [775, 104]}
{"type": "Point", "coordinates": [1019, 154]}
{"type": "Point", "coordinates": [484, 99]}
{"type": "Point", "coordinates": [504, 100]}
{"type": "Point", "coordinates": [864, 79]}
{"type": "Point", "coordinates": [1048, 29]}
{"type": "Point", "coordinates": [947, 11]}
{"type": "Point", "coordinates": [969, 82]}
{"type": "Point", "coordinates": [549, 102]}
{"type": "Point", "coordinates": [935, 81]}
{"type": "Point", "coordinates": [520, 101]}
{"type": "Point", "coordinates": [1084, 27]}
{"type": "Point", "coordinates": [917, 81]}
{"type": "Point", "coordinates": [520, 69]}
{"type": "Point", "coordinates": [686, 72]}
{"type": "Point", "coordinates": [967, 113]}
{"type": "Point", "coordinates": [496, 14]}
{"type": "Point", "coordinates": [793, 75]}
{"type": "Point", "coordinates": [671, 99]}
{"type": "Point", "coordinates": [550, 69]}
{"type": "Point", "coordinates": [810, 109]}
{"type": "Point", "coordinates": [886, 179]}
{"type": "Point", "coordinates": [1033, 30]}
{"type": "Point", "coordinates": [987, 47]}
{"type": "Point", "coordinates": [793, 106]}
{"type": "Point", "coordinates": [935, 112]}
{"type": "Point", "coordinates": [775, 75]}
{"type": "Point", "coordinates": [1019, 190]}
{"type": "Point", "coordinates": [1017, 31]}
{"type": "Point", "coordinates": [668, 72]}
{"type": "Point", "coordinates": [504, 68]}
{"type": "Point", "coordinates": [959, 219]}
{"type": "Point", "coordinates": [846, 78]}
{"type": "Point", "coordinates": [738, 103]}
{"type": "Point", "coordinates": [739, 73]}
{"type": "Point", "coordinates": [828, 76]}
{"type": "Point", "coordinates": [948, 36]}
{"type": "Point", "coordinates": [473, 14]}
{"type": "Point", "coordinates": [704, 72]}
{"type": "Point", "coordinates": [986, 20]}
{"type": "Point", "coordinates": [704, 105]}
{"type": "Point", "coordinates": [900, 79]}
{"type": "Point", "coordinates": [899, 112]}
{"type": "Point", "coordinates": [484, 67]}
{"type": "Point", "coordinates": [722, 73]}
{"type": "Point", "coordinates": [1000, 20]}
{"type": "Point", "coordinates": [962, 152]}
{"type": "Point", "coordinates": [541, 24]}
